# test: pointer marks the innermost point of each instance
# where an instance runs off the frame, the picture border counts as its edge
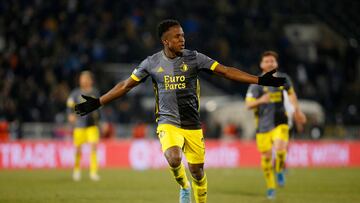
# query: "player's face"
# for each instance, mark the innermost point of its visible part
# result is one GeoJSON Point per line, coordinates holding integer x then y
{"type": "Point", "coordinates": [268, 63]}
{"type": "Point", "coordinates": [174, 39]}
{"type": "Point", "coordinates": [86, 81]}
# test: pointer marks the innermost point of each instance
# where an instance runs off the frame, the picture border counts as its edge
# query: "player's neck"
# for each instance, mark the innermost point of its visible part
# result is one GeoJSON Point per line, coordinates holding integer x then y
{"type": "Point", "coordinates": [263, 72]}
{"type": "Point", "coordinates": [169, 54]}
{"type": "Point", "coordinates": [86, 89]}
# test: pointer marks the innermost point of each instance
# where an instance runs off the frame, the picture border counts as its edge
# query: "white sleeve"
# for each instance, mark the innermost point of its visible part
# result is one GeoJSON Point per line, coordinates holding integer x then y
{"type": "Point", "coordinates": [289, 108]}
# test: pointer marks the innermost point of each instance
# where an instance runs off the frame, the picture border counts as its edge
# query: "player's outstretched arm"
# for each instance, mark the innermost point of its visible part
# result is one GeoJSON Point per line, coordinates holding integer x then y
{"type": "Point", "coordinates": [240, 76]}
{"type": "Point", "coordinates": [92, 104]}
{"type": "Point", "coordinates": [118, 91]}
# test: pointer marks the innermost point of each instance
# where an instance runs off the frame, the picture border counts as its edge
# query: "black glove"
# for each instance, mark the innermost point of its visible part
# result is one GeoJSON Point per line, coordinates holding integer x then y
{"type": "Point", "coordinates": [88, 106]}
{"type": "Point", "coordinates": [268, 80]}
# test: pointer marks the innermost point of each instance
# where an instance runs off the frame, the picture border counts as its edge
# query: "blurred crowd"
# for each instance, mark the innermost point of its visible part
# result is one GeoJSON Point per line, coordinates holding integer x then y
{"type": "Point", "coordinates": [45, 44]}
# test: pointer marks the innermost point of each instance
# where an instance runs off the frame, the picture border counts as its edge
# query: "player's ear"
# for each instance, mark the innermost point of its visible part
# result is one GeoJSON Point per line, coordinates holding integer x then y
{"type": "Point", "coordinates": [166, 42]}
{"type": "Point", "coordinates": [163, 40]}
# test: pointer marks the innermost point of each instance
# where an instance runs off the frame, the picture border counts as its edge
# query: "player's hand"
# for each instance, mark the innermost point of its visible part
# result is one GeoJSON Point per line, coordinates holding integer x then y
{"type": "Point", "coordinates": [269, 80]}
{"type": "Point", "coordinates": [264, 99]}
{"type": "Point", "coordinates": [88, 106]}
{"type": "Point", "coordinates": [300, 120]}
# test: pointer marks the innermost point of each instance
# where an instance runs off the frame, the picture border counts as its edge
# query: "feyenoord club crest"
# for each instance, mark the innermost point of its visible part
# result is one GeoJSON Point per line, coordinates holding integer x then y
{"type": "Point", "coordinates": [184, 67]}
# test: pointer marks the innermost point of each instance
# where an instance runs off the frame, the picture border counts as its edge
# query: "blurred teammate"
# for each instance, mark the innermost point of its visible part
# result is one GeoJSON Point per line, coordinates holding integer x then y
{"type": "Point", "coordinates": [86, 128]}
{"type": "Point", "coordinates": [272, 121]}
{"type": "Point", "coordinates": [174, 72]}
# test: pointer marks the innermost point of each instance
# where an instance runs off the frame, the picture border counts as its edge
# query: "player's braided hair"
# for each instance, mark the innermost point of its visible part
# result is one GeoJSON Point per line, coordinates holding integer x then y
{"type": "Point", "coordinates": [165, 25]}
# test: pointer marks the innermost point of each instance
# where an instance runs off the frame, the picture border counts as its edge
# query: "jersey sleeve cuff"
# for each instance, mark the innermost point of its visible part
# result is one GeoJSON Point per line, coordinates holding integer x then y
{"type": "Point", "coordinates": [134, 77]}
{"type": "Point", "coordinates": [70, 103]}
{"type": "Point", "coordinates": [250, 99]}
{"type": "Point", "coordinates": [213, 66]}
{"type": "Point", "coordinates": [291, 90]}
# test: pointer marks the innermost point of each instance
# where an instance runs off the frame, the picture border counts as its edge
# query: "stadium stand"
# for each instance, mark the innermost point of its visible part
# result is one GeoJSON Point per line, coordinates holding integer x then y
{"type": "Point", "coordinates": [45, 44]}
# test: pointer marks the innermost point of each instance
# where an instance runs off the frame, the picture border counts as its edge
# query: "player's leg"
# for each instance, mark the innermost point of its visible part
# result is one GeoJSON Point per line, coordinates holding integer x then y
{"type": "Point", "coordinates": [171, 144]}
{"type": "Point", "coordinates": [173, 156]}
{"type": "Point", "coordinates": [280, 141]}
{"type": "Point", "coordinates": [194, 150]}
{"type": "Point", "coordinates": [267, 167]}
{"type": "Point", "coordinates": [199, 182]}
{"type": "Point", "coordinates": [280, 150]}
{"type": "Point", "coordinates": [264, 145]}
{"type": "Point", "coordinates": [93, 135]}
{"type": "Point", "coordinates": [77, 170]}
{"type": "Point", "coordinates": [78, 140]}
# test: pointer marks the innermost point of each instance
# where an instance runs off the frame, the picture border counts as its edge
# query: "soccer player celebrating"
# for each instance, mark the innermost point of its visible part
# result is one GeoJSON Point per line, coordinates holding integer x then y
{"type": "Point", "coordinates": [272, 121]}
{"type": "Point", "coordinates": [86, 127]}
{"type": "Point", "coordinates": [174, 72]}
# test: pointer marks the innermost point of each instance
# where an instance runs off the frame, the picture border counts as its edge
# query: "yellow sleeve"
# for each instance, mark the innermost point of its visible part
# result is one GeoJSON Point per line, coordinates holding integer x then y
{"type": "Point", "coordinates": [213, 66]}
{"type": "Point", "coordinates": [291, 90]}
{"type": "Point", "coordinates": [70, 103]}
{"type": "Point", "coordinates": [250, 99]}
{"type": "Point", "coordinates": [134, 77]}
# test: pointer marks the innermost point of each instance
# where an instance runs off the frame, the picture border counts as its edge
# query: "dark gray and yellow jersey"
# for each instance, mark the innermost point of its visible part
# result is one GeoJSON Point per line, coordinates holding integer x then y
{"type": "Point", "coordinates": [75, 98]}
{"type": "Point", "coordinates": [272, 114]}
{"type": "Point", "coordinates": [176, 86]}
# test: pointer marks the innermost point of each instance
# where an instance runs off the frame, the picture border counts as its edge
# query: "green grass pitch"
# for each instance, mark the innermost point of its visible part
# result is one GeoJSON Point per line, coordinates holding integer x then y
{"type": "Point", "coordinates": [225, 185]}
